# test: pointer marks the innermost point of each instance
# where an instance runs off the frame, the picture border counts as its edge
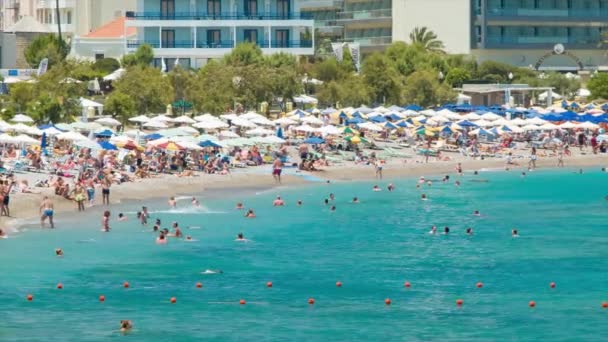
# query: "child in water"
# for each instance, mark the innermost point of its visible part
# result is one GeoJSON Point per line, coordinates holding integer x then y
{"type": "Point", "coordinates": [105, 221]}
{"type": "Point", "coordinates": [250, 214]}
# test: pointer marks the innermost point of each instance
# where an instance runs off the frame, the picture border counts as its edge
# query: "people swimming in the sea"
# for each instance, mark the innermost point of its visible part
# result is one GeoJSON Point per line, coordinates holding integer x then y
{"type": "Point", "coordinates": [240, 237]}
{"type": "Point", "coordinates": [390, 187]}
{"type": "Point", "coordinates": [126, 326]}
{"type": "Point", "coordinates": [59, 252]}
{"type": "Point", "coordinates": [326, 201]}
{"type": "Point", "coordinates": [195, 202]}
{"type": "Point", "coordinates": [176, 231]}
{"type": "Point", "coordinates": [105, 221]}
{"type": "Point", "coordinates": [250, 214]}
{"type": "Point", "coordinates": [376, 188]}
{"type": "Point", "coordinates": [240, 206]}
{"type": "Point", "coordinates": [469, 231]}
{"type": "Point", "coordinates": [514, 233]}
{"type": "Point", "coordinates": [433, 230]}
{"type": "Point", "coordinates": [523, 174]}
{"type": "Point", "coordinates": [278, 202]}
{"type": "Point", "coordinates": [421, 180]}
{"type": "Point", "coordinates": [459, 168]}
{"type": "Point", "coordinates": [457, 183]}
{"type": "Point", "coordinates": [188, 238]}
{"type": "Point", "coordinates": [161, 239]}
{"type": "Point", "coordinates": [423, 197]}
{"type": "Point", "coordinates": [3, 234]}
{"type": "Point", "coordinates": [446, 230]}
{"type": "Point", "coordinates": [333, 208]}
{"type": "Point", "coordinates": [332, 197]}
{"type": "Point", "coordinates": [155, 228]}
{"type": "Point", "coordinates": [299, 203]}
{"type": "Point", "coordinates": [121, 217]}
{"type": "Point", "coordinates": [144, 216]}
{"type": "Point", "coordinates": [355, 200]}
{"type": "Point", "coordinates": [476, 213]}
{"type": "Point", "coordinates": [212, 272]}
{"type": "Point", "coordinates": [429, 183]}
{"type": "Point", "coordinates": [172, 202]}
{"type": "Point", "coordinates": [475, 173]}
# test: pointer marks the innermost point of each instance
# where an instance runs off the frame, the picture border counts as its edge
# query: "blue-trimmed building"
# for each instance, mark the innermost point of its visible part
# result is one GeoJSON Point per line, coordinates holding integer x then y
{"type": "Point", "coordinates": [195, 31]}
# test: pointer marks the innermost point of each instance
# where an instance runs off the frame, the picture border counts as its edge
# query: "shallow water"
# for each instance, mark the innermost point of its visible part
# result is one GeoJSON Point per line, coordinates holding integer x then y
{"type": "Point", "coordinates": [371, 247]}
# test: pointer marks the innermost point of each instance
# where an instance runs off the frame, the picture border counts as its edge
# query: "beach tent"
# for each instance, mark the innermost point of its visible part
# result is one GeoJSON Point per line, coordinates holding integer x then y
{"type": "Point", "coordinates": [22, 118]}
{"type": "Point", "coordinates": [314, 141]}
{"type": "Point", "coordinates": [116, 74]}
{"type": "Point", "coordinates": [88, 105]}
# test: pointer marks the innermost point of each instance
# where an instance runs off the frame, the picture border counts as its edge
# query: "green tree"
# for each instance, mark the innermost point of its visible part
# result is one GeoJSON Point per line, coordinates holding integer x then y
{"type": "Point", "coordinates": [106, 65]}
{"type": "Point", "coordinates": [143, 56]}
{"type": "Point", "coordinates": [46, 46]}
{"type": "Point", "coordinates": [423, 88]}
{"type": "Point", "coordinates": [499, 70]}
{"type": "Point", "coordinates": [244, 54]}
{"type": "Point", "coordinates": [213, 90]}
{"type": "Point", "coordinates": [46, 108]}
{"type": "Point", "coordinates": [561, 83]}
{"type": "Point", "coordinates": [120, 106]}
{"type": "Point", "coordinates": [427, 39]}
{"type": "Point", "coordinates": [327, 70]}
{"type": "Point", "coordinates": [382, 79]}
{"type": "Point", "coordinates": [330, 93]}
{"type": "Point", "coordinates": [347, 64]}
{"type": "Point", "coordinates": [355, 91]}
{"type": "Point", "coordinates": [281, 59]}
{"type": "Point", "coordinates": [598, 86]}
{"type": "Point", "coordinates": [21, 94]}
{"type": "Point", "coordinates": [148, 88]}
{"type": "Point", "coordinates": [457, 76]}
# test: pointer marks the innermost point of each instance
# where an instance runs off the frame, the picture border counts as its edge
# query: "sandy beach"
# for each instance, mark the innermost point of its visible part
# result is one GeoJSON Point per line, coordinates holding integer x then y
{"type": "Point", "coordinates": [25, 206]}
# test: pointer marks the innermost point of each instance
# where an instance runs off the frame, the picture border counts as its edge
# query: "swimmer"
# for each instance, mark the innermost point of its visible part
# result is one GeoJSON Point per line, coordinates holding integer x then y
{"type": "Point", "coordinates": [459, 168]}
{"type": "Point", "coordinates": [376, 188]}
{"type": "Point", "coordinates": [421, 180]}
{"type": "Point", "coordinates": [446, 230]}
{"type": "Point", "coordinates": [523, 174]}
{"type": "Point", "coordinates": [326, 201]}
{"type": "Point", "coordinates": [165, 231]}
{"type": "Point", "coordinates": [195, 202]}
{"type": "Point", "coordinates": [417, 186]}
{"type": "Point", "coordinates": [429, 183]}
{"type": "Point", "coordinates": [327, 181]}
{"type": "Point", "coordinates": [514, 233]}
{"type": "Point", "coordinates": [122, 217]}
{"type": "Point", "coordinates": [155, 228]}
{"type": "Point", "coordinates": [212, 272]}
{"type": "Point", "coordinates": [176, 231]}
{"type": "Point", "coordinates": [144, 216]}
{"type": "Point", "coordinates": [59, 252]}
{"type": "Point", "coordinates": [172, 202]}
{"type": "Point", "coordinates": [475, 173]}
{"type": "Point", "coordinates": [250, 214]}
{"type": "Point", "coordinates": [158, 222]}
{"type": "Point", "coordinates": [355, 200]}
{"type": "Point", "coordinates": [423, 197]}
{"type": "Point", "coordinates": [299, 203]}
{"type": "Point", "coordinates": [390, 187]}
{"type": "Point", "coordinates": [444, 180]}
{"type": "Point", "coordinates": [125, 326]}
{"type": "Point", "coordinates": [189, 238]}
{"type": "Point", "coordinates": [240, 206]}
{"type": "Point", "coordinates": [332, 197]}
{"type": "Point", "coordinates": [469, 231]}
{"type": "Point", "coordinates": [457, 183]}
{"type": "Point", "coordinates": [2, 234]}
{"type": "Point", "coordinates": [161, 240]}
{"type": "Point", "coordinates": [105, 221]}
{"type": "Point", "coordinates": [278, 202]}
{"type": "Point", "coordinates": [476, 213]}
{"type": "Point", "coordinates": [240, 237]}
{"type": "Point", "coordinates": [333, 208]}
{"type": "Point", "coordinates": [433, 230]}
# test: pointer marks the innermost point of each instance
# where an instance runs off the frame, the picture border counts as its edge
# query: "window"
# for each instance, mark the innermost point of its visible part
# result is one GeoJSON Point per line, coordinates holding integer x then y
{"type": "Point", "coordinates": [167, 8]}
{"type": "Point", "coordinates": [214, 38]}
{"type": "Point", "coordinates": [251, 8]}
{"type": "Point", "coordinates": [69, 17]}
{"type": "Point", "coordinates": [214, 7]}
{"type": "Point", "coordinates": [167, 39]}
{"type": "Point", "coordinates": [251, 36]}
{"type": "Point", "coordinates": [478, 33]}
{"type": "Point", "coordinates": [282, 38]}
{"type": "Point", "coordinates": [283, 8]}
{"type": "Point", "coordinates": [99, 56]}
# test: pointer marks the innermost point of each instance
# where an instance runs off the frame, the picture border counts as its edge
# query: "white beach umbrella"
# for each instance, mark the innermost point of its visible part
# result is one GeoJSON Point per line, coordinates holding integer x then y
{"type": "Point", "coordinates": [33, 130]}
{"type": "Point", "coordinates": [490, 116]}
{"type": "Point", "coordinates": [271, 140]}
{"type": "Point", "coordinates": [108, 122]}
{"type": "Point", "coordinates": [411, 113]}
{"type": "Point", "coordinates": [304, 128]}
{"type": "Point", "coordinates": [229, 134]}
{"type": "Point", "coordinates": [72, 136]}
{"type": "Point", "coordinates": [140, 118]}
{"type": "Point", "coordinates": [51, 131]}
{"type": "Point", "coordinates": [211, 124]}
{"type": "Point", "coordinates": [483, 123]}
{"type": "Point", "coordinates": [380, 109]}
{"type": "Point", "coordinates": [518, 122]}
{"type": "Point", "coordinates": [535, 121]}
{"type": "Point", "coordinates": [19, 128]}
{"type": "Point", "coordinates": [184, 119]}
{"type": "Point", "coordinates": [445, 112]}
{"type": "Point", "coordinates": [259, 131]}
{"type": "Point", "coordinates": [440, 119]}
{"type": "Point", "coordinates": [161, 118]}
{"type": "Point", "coordinates": [230, 116]}
{"type": "Point", "coordinates": [329, 130]}
{"type": "Point", "coordinates": [285, 121]}
{"type": "Point", "coordinates": [311, 120]}
{"type": "Point", "coordinates": [155, 124]}
{"type": "Point", "coordinates": [568, 125]}
{"type": "Point", "coordinates": [251, 115]}
{"type": "Point", "coordinates": [370, 126]}
{"type": "Point", "coordinates": [531, 128]}
{"type": "Point", "coordinates": [500, 122]}
{"type": "Point", "coordinates": [472, 116]}
{"type": "Point", "coordinates": [24, 139]}
{"type": "Point", "coordinates": [85, 126]}
{"type": "Point", "coordinates": [134, 133]}
{"type": "Point", "coordinates": [515, 129]}
{"type": "Point", "coordinates": [205, 117]}
{"type": "Point", "coordinates": [548, 127]}
{"type": "Point", "coordinates": [243, 123]}
{"type": "Point", "coordinates": [262, 121]}
{"type": "Point", "coordinates": [22, 118]}
{"type": "Point", "coordinates": [7, 139]}
{"type": "Point", "coordinates": [87, 143]}
{"type": "Point", "coordinates": [588, 125]}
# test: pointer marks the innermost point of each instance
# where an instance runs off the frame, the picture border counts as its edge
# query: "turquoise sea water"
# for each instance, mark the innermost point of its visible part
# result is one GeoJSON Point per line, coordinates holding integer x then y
{"type": "Point", "coordinates": [371, 247]}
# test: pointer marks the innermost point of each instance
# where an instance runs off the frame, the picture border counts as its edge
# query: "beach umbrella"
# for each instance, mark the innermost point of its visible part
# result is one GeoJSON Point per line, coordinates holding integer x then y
{"type": "Point", "coordinates": [106, 133]}
{"type": "Point", "coordinates": [531, 128]}
{"type": "Point", "coordinates": [490, 116]}
{"type": "Point", "coordinates": [447, 130]}
{"type": "Point", "coordinates": [243, 123]}
{"type": "Point", "coordinates": [413, 107]}
{"type": "Point", "coordinates": [130, 145]}
{"type": "Point", "coordinates": [549, 127]}
{"type": "Point", "coordinates": [389, 126]}
{"type": "Point", "coordinates": [378, 119]}
{"type": "Point", "coordinates": [329, 130]}
{"type": "Point", "coordinates": [184, 119]}
{"type": "Point", "coordinates": [568, 125]}
{"type": "Point", "coordinates": [404, 124]}
{"type": "Point", "coordinates": [262, 121]}
{"type": "Point", "coordinates": [22, 118]}
{"type": "Point", "coordinates": [229, 134]}
{"type": "Point", "coordinates": [183, 104]}
{"type": "Point", "coordinates": [370, 126]}
{"type": "Point", "coordinates": [205, 117]}
{"type": "Point", "coordinates": [140, 119]}
{"type": "Point", "coordinates": [328, 110]}
{"type": "Point", "coordinates": [355, 139]}
{"type": "Point", "coordinates": [153, 136]}
{"type": "Point", "coordinates": [304, 128]}
{"type": "Point", "coordinates": [506, 129]}
{"type": "Point", "coordinates": [259, 131]}
{"type": "Point", "coordinates": [171, 146]}
{"type": "Point", "coordinates": [311, 120]}
{"type": "Point", "coordinates": [483, 123]}
{"type": "Point", "coordinates": [155, 124]}
{"type": "Point", "coordinates": [237, 142]}
{"type": "Point", "coordinates": [284, 121]}
{"type": "Point", "coordinates": [518, 122]}
{"type": "Point", "coordinates": [108, 122]}
{"type": "Point", "coordinates": [349, 130]}
{"type": "Point", "coordinates": [86, 143]}
{"type": "Point", "coordinates": [279, 131]}
{"type": "Point", "coordinates": [314, 141]}
{"type": "Point", "coordinates": [472, 116]}
{"type": "Point", "coordinates": [7, 139]}
{"type": "Point", "coordinates": [208, 143]}
{"type": "Point", "coordinates": [210, 124]}
{"type": "Point", "coordinates": [588, 125]}
{"type": "Point", "coordinates": [106, 145]}
{"type": "Point", "coordinates": [161, 118]}
{"type": "Point", "coordinates": [535, 121]}
{"type": "Point", "coordinates": [71, 136]}
{"type": "Point", "coordinates": [465, 123]}
{"type": "Point", "coordinates": [24, 139]}
{"type": "Point", "coordinates": [271, 140]}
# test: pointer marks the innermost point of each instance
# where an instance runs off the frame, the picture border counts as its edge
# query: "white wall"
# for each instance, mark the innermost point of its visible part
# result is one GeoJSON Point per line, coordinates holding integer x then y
{"type": "Point", "coordinates": [449, 19]}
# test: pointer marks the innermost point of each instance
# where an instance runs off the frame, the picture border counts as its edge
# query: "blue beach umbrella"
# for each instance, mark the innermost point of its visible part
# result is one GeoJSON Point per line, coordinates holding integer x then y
{"type": "Point", "coordinates": [153, 136]}
{"type": "Point", "coordinates": [280, 132]}
{"type": "Point", "coordinates": [43, 141]}
{"type": "Point", "coordinates": [314, 141]}
{"type": "Point", "coordinates": [108, 146]}
{"type": "Point", "coordinates": [466, 123]}
{"type": "Point", "coordinates": [328, 111]}
{"type": "Point", "coordinates": [208, 143]}
{"type": "Point", "coordinates": [389, 125]}
{"type": "Point", "coordinates": [506, 129]}
{"type": "Point", "coordinates": [447, 129]}
{"type": "Point", "coordinates": [413, 107]}
{"type": "Point", "coordinates": [378, 118]}
{"type": "Point", "coordinates": [106, 133]}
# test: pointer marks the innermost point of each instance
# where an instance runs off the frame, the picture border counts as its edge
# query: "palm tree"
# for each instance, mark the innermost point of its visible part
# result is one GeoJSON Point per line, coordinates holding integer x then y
{"type": "Point", "coordinates": [427, 39]}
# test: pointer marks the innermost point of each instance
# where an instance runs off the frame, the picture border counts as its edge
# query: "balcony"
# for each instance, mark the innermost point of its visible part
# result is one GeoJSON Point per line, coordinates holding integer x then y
{"type": "Point", "coordinates": [321, 4]}
{"type": "Point", "coordinates": [50, 4]}
{"type": "Point", "coordinates": [541, 42]}
{"type": "Point", "coordinates": [369, 41]}
{"type": "Point", "coordinates": [525, 14]}
{"type": "Point", "coordinates": [365, 15]}
{"type": "Point", "coordinates": [224, 44]}
{"type": "Point", "coordinates": [218, 16]}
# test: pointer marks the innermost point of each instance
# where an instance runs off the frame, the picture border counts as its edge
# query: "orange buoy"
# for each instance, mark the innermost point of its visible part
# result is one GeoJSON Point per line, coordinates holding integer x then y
{"type": "Point", "coordinates": [60, 286]}
{"type": "Point", "coordinates": [605, 305]}
{"type": "Point", "coordinates": [173, 300]}
{"type": "Point", "coordinates": [30, 297]}
{"type": "Point", "coordinates": [242, 302]}
{"type": "Point", "coordinates": [269, 284]}
{"type": "Point", "coordinates": [552, 285]}
{"type": "Point", "coordinates": [407, 284]}
{"type": "Point", "coordinates": [126, 284]}
{"type": "Point", "coordinates": [479, 285]}
{"type": "Point", "coordinates": [199, 285]}
{"type": "Point", "coordinates": [387, 301]}
{"type": "Point", "coordinates": [338, 284]}
{"type": "Point", "coordinates": [311, 301]}
{"type": "Point", "coordinates": [459, 302]}
{"type": "Point", "coordinates": [102, 298]}
{"type": "Point", "coordinates": [532, 304]}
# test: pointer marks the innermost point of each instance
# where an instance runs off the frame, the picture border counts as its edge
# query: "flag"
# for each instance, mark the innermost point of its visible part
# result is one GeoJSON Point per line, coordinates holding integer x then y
{"type": "Point", "coordinates": [43, 66]}
{"type": "Point", "coordinates": [176, 62]}
{"type": "Point", "coordinates": [356, 55]}
{"type": "Point", "coordinates": [163, 66]}
{"type": "Point", "coordinates": [338, 50]}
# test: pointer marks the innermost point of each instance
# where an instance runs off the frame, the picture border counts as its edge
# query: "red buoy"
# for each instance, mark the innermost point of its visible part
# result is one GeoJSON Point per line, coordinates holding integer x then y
{"type": "Point", "coordinates": [30, 297]}
{"type": "Point", "coordinates": [311, 301]}
{"type": "Point", "coordinates": [242, 302]}
{"type": "Point", "coordinates": [479, 285]}
{"type": "Point", "coordinates": [269, 284]}
{"type": "Point", "coordinates": [338, 284]}
{"type": "Point", "coordinates": [459, 302]}
{"type": "Point", "coordinates": [407, 284]}
{"type": "Point", "coordinates": [605, 305]}
{"type": "Point", "coordinates": [532, 304]}
{"type": "Point", "coordinates": [552, 285]}
{"type": "Point", "coordinates": [102, 298]}
{"type": "Point", "coordinates": [173, 300]}
{"type": "Point", "coordinates": [60, 286]}
{"type": "Point", "coordinates": [387, 301]}
{"type": "Point", "coordinates": [126, 284]}
{"type": "Point", "coordinates": [199, 285]}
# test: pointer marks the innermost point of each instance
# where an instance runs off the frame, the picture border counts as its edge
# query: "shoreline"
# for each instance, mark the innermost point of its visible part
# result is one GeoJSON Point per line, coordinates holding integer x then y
{"type": "Point", "coordinates": [165, 186]}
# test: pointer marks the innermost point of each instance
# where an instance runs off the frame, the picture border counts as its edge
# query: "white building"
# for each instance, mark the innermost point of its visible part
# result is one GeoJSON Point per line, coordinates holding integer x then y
{"type": "Point", "coordinates": [195, 31]}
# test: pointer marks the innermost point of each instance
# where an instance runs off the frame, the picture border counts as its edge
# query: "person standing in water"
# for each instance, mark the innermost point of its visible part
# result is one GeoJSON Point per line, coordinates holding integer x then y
{"type": "Point", "coordinates": [277, 168]}
{"type": "Point", "coordinates": [46, 211]}
{"type": "Point", "coordinates": [532, 163]}
{"type": "Point", "coordinates": [106, 183]}
{"type": "Point", "coordinates": [105, 221]}
{"type": "Point", "coordinates": [560, 158]}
